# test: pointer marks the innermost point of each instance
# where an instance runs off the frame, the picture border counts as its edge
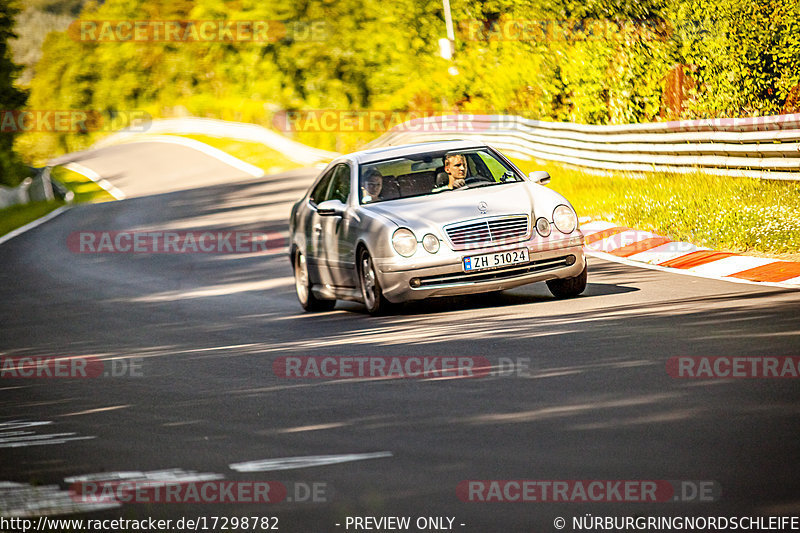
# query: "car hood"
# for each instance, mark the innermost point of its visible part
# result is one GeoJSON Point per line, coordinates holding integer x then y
{"type": "Point", "coordinates": [437, 210]}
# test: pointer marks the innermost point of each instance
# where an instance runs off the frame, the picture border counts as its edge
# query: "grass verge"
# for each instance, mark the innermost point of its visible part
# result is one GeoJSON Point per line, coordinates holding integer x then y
{"type": "Point", "coordinates": [17, 216]}
{"type": "Point", "coordinates": [758, 217]}
{"type": "Point", "coordinates": [84, 189]}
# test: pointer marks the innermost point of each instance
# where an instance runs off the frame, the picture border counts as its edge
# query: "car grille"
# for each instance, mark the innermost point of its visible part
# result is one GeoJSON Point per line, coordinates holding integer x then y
{"type": "Point", "coordinates": [463, 278]}
{"type": "Point", "coordinates": [490, 231]}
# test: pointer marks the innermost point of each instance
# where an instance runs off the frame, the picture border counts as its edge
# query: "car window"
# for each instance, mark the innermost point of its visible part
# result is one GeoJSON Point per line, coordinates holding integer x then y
{"type": "Point", "coordinates": [422, 174]}
{"type": "Point", "coordinates": [340, 184]}
{"type": "Point", "coordinates": [321, 190]}
{"type": "Point", "coordinates": [495, 169]}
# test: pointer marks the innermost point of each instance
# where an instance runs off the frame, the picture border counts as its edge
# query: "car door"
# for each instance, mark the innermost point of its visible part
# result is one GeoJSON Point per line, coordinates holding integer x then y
{"type": "Point", "coordinates": [312, 228]}
{"type": "Point", "coordinates": [335, 234]}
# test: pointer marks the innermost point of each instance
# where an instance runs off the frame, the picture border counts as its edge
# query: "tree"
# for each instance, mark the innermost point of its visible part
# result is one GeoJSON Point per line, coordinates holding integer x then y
{"type": "Point", "coordinates": [12, 99]}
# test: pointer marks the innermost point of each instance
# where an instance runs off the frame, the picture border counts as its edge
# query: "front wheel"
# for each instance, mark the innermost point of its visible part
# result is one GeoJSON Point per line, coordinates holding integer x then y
{"type": "Point", "coordinates": [302, 285]}
{"type": "Point", "coordinates": [371, 291]}
{"type": "Point", "coordinates": [568, 287]}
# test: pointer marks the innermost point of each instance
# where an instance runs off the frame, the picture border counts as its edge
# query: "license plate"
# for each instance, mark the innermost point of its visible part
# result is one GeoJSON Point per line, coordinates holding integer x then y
{"type": "Point", "coordinates": [500, 259]}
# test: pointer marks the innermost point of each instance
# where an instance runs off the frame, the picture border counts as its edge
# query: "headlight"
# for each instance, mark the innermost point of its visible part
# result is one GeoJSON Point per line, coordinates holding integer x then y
{"type": "Point", "coordinates": [565, 219]}
{"type": "Point", "coordinates": [404, 242]}
{"type": "Point", "coordinates": [542, 227]}
{"type": "Point", "coordinates": [431, 243]}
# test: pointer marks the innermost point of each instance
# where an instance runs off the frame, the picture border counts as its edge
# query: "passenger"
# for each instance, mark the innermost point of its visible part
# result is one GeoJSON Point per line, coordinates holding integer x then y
{"type": "Point", "coordinates": [372, 185]}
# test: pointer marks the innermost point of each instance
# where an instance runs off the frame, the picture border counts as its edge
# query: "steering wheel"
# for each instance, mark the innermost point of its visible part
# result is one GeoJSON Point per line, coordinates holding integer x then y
{"type": "Point", "coordinates": [476, 179]}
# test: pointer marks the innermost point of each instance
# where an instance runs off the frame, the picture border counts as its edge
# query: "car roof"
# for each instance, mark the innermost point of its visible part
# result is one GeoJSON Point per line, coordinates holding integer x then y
{"type": "Point", "coordinates": [390, 152]}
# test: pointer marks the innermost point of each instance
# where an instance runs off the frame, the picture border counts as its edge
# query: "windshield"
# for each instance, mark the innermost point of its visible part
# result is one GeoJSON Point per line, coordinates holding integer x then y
{"type": "Point", "coordinates": [432, 173]}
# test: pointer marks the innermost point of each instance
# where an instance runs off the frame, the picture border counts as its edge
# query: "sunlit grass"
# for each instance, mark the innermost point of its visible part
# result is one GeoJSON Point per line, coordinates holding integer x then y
{"type": "Point", "coordinates": [84, 189]}
{"type": "Point", "coordinates": [16, 216]}
{"type": "Point", "coordinates": [723, 213]}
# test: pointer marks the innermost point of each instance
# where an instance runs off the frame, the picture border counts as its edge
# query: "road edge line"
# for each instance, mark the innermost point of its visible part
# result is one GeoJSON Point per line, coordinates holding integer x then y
{"type": "Point", "coordinates": [30, 225]}
{"type": "Point", "coordinates": [95, 177]}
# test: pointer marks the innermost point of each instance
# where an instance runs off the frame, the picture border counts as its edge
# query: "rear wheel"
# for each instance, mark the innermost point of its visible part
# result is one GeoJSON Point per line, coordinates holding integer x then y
{"type": "Point", "coordinates": [569, 287]}
{"type": "Point", "coordinates": [302, 284]}
{"type": "Point", "coordinates": [371, 290]}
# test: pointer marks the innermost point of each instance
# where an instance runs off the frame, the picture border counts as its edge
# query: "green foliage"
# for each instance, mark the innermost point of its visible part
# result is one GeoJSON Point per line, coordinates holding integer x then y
{"type": "Point", "coordinates": [745, 53]}
{"type": "Point", "coordinates": [32, 26]}
{"type": "Point", "coordinates": [595, 61]}
{"type": "Point", "coordinates": [17, 216]}
{"type": "Point", "coordinates": [12, 171]}
{"type": "Point", "coordinates": [56, 7]}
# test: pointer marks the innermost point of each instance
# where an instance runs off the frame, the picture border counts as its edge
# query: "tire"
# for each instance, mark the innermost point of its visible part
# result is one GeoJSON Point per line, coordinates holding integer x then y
{"type": "Point", "coordinates": [569, 287]}
{"type": "Point", "coordinates": [371, 291]}
{"type": "Point", "coordinates": [302, 285]}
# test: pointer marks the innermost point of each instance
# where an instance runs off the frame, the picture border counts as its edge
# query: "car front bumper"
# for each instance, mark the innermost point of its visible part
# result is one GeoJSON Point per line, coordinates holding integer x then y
{"type": "Point", "coordinates": [442, 274]}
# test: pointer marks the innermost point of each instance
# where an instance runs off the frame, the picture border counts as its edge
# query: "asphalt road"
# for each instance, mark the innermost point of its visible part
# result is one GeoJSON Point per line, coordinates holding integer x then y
{"type": "Point", "coordinates": [202, 332]}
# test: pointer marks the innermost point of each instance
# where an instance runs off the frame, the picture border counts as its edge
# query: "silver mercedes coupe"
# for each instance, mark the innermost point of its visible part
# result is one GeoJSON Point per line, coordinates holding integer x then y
{"type": "Point", "coordinates": [403, 223]}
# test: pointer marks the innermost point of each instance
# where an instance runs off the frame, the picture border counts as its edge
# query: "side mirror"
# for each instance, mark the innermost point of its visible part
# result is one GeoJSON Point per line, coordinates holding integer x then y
{"type": "Point", "coordinates": [540, 176]}
{"type": "Point", "coordinates": [331, 208]}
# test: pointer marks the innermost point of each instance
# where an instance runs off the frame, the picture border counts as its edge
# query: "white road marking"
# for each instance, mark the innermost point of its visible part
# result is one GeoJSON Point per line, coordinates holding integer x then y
{"type": "Point", "coordinates": [216, 290]}
{"type": "Point", "coordinates": [30, 225]}
{"type": "Point", "coordinates": [23, 500]}
{"type": "Point", "coordinates": [731, 265]}
{"type": "Point", "coordinates": [666, 252]}
{"type": "Point", "coordinates": [10, 437]}
{"type": "Point", "coordinates": [720, 269]}
{"type": "Point", "coordinates": [619, 240]}
{"type": "Point", "coordinates": [289, 463]}
{"type": "Point", "coordinates": [168, 476]}
{"type": "Point", "coordinates": [98, 410]}
{"type": "Point", "coordinates": [685, 272]}
{"type": "Point", "coordinates": [97, 178]}
{"type": "Point", "coordinates": [589, 228]}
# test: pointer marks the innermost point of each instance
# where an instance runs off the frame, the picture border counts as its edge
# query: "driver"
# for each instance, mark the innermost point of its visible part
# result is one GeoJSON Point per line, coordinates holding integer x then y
{"type": "Point", "coordinates": [455, 165]}
{"type": "Point", "coordinates": [455, 169]}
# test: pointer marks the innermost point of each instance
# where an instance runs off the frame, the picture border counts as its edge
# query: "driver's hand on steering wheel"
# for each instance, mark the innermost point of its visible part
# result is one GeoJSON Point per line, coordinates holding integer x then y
{"type": "Point", "coordinates": [457, 184]}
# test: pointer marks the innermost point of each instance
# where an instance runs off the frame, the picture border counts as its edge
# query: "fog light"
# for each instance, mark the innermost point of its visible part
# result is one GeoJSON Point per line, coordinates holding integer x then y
{"type": "Point", "coordinates": [415, 283]}
{"type": "Point", "coordinates": [570, 260]}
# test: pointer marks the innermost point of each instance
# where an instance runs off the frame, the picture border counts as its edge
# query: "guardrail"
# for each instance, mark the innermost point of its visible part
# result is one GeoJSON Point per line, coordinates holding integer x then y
{"type": "Point", "coordinates": [761, 147]}
{"type": "Point", "coordinates": [39, 188]}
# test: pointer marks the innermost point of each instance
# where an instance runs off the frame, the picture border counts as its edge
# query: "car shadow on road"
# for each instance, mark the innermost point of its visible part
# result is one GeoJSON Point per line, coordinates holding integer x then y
{"type": "Point", "coordinates": [528, 294]}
